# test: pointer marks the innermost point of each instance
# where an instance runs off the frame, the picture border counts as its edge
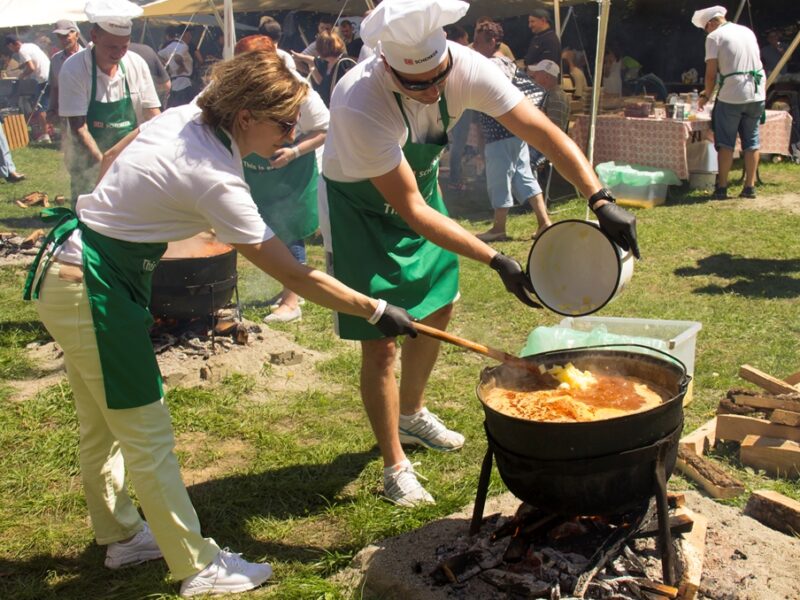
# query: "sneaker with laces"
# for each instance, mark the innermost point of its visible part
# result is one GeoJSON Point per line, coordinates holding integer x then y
{"type": "Point", "coordinates": [748, 192]}
{"type": "Point", "coordinates": [228, 573]}
{"type": "Point", "coordinates": [401, 486]}
{"type": "Point", "coordinates": [426, 429]}
{"type": "Point", "coordinates": [140, 548]}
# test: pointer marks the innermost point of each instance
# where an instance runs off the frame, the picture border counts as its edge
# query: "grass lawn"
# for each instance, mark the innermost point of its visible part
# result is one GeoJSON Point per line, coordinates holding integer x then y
{"type": "Point", "coordinates": [296, 476]}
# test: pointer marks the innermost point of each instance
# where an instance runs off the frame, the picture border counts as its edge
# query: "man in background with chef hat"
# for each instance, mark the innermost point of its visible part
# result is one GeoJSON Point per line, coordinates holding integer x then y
{"type": "Point", "coordinates": [389, 233]}
{"type": "Point", "coordinates": [104, 91]}
{"type": "Point", "coordinates": [733, 59]}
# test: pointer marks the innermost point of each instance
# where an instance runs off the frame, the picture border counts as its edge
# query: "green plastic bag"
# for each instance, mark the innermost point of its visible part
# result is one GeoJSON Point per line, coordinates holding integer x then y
{"type": "Point", "coordinates": [545, 339]}
{"type": "Point", "coordinates": [612, 173]}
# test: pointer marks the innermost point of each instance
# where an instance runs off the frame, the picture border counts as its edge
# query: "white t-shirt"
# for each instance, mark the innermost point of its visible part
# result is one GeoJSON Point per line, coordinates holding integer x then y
{"type": "Point", "coordinates": [175, 180]}
{"type": "Point", "coordinates": [736, 50]}
{"type": "Point", "coordinates": [287, 59]}
{"type": "Point", "coordinates": [34, 54]}
{"type": "Point", "coordinates": [367, 130]}
{"type": "Point", "coordinates": [75, 85]}
{"type": "Point", "coordinates": [181, 77]}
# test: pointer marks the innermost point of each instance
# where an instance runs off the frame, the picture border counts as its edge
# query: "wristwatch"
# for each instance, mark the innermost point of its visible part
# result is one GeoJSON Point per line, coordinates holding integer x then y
{"type": "Point", "coordinates": [601, 194]}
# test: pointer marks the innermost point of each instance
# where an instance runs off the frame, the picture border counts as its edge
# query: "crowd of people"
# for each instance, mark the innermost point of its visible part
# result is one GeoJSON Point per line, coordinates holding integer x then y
{"type": "Point", "coordinates": [346, 137]}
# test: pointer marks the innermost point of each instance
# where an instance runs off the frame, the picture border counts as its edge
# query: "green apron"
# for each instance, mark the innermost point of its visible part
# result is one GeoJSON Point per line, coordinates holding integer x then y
{"type": "Point", "coordinates": [117, 276]}
{"type": "Point", "coordinates": [287, 197]}
{"type": "Point", "coordinates": [109, 122]}
{"type": "Point", "coordinates": [377, 253]}
{"type": "Point", "coordinates": [757, 76]}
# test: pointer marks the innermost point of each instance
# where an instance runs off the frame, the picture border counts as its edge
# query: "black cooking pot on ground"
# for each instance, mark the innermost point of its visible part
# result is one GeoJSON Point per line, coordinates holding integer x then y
{"type": "Point", "coordinates": [195, 278]}
{"type": "Point", "coordinates": [595, 467]}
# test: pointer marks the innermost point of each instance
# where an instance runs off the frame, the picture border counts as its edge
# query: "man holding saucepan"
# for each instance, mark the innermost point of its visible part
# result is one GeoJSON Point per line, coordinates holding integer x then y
{"type": "Point", "coordinates": [389, 230]}
{"type": "Point", "coordinates": [169, 179]}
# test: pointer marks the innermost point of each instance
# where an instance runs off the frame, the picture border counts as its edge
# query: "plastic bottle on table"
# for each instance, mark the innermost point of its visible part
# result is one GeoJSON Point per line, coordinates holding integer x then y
{"type": "Point", "coordinates": [694, 99]}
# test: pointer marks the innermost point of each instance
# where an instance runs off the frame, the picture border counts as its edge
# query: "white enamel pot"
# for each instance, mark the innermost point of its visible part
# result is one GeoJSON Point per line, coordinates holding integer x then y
{"type": "Point", "coordinates": [575, 269]}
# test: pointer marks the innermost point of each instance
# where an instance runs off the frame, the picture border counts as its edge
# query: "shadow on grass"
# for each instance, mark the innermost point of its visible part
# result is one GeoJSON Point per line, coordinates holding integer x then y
{"type": "Point", "coordinates": [34, 326]}
{"type": "Point", "coordinates": [225, 506]}
{"type": "Point", "coordinates": [13, 223]}
{"type": "Point", "coordinates": [754, 277]}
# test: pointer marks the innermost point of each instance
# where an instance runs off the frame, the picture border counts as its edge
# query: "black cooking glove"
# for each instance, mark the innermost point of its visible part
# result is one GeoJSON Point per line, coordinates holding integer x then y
{"type": "Point", "coordinates": [619, 225]}
{"type": "Point", "coordinates": [396, 321]}
{"type": "Point", "coordinates": [514, 278]}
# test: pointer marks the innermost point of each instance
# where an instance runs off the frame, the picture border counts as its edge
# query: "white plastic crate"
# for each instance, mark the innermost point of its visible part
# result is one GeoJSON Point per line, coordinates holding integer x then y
{"type": "Point", "coordinates": [680, 336]}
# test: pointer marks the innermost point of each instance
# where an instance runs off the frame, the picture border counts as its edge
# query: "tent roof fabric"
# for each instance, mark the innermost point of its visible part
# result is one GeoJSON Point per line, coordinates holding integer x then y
{"type": "Point", "coordinates": [22, 13]}
{"type": "Point", "coordinates": [507, 8]}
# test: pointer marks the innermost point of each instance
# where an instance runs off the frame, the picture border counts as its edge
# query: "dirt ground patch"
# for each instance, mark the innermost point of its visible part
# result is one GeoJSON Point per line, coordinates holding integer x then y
{"type": "Point", "coordinates": [205, 458]}
{"type": "Point", "coordinates": [744, 560]}
{"type": "Point", "coordinates": [778, 202]}
{"type": "Point", "coordinates": [278, 363]}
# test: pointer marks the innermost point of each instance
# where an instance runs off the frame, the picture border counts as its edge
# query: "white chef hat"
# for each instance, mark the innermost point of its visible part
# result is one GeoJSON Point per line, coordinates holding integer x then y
{"type": "Point", "coordinates": [411, 31]}
{"type": "Point", "coordinates": [114, 16]}
{"type": "Point", "coordinates": [701, 17]}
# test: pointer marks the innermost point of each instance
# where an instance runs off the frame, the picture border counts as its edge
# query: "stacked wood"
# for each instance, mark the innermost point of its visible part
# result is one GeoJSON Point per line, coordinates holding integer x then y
{"type": "Point", "coordinates": [716, 482]}
{"type": "Point", "coordinates": [33, 199]}
{"type": "Point", "coordinates": [774, 510]}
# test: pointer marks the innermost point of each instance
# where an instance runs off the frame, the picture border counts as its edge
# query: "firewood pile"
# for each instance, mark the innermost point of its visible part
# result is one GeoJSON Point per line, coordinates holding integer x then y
{"type": "Point", "coordinates": [765, 424]}
{"type": "Point", "coordinates": [12, 244]}
{"type": "Point", "coordinates": [536, 554]}
{"type": "Point", "coordinates": [39, 199]}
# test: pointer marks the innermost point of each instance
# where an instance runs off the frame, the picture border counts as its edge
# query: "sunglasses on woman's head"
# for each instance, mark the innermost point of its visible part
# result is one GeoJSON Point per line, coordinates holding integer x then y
{"type": "Point", "coordinates": [421, 86]}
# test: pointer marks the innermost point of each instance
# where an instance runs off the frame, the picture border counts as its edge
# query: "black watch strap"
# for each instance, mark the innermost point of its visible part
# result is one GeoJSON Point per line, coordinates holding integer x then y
{"type": "Point", "coordinates": [601, 194]}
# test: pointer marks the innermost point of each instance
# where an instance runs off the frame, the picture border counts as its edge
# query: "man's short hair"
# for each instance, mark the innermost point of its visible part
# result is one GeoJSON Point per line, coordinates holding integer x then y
{"type": "Point", "coordinates": [10, 39]}
{"type": "Point", "coordinates": [174, 31]}
{"type": "Point", "coordinates": [270, 27]}
{"type": "Point", "coordinates": [347, 22]}
{"type": "Point", "coordinates": [541, 13]}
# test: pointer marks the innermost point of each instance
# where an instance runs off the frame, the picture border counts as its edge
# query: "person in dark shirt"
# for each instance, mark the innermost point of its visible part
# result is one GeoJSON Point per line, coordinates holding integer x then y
{"type": "Point", "coordinates": [545, 44]}
{"type": "Point", "coordinates": [157, 70]}
{"type": "Point", "coordinates": [351, 42]}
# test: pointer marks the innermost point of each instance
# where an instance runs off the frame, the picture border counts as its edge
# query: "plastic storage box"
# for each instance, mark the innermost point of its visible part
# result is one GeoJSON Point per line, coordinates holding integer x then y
{"type": "Point", "coordinates": [636, 185]}
{"type": "Point", "coordinates": [680, 336]}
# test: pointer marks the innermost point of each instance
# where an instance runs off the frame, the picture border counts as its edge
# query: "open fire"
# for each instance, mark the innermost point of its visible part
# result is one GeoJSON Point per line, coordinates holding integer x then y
{"type": "Point", "coordinates": [540, 554]}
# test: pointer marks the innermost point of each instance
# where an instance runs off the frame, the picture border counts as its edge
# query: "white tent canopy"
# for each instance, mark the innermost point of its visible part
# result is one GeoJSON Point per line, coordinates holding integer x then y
{"type": "Point", "coordinates": [24, 13]}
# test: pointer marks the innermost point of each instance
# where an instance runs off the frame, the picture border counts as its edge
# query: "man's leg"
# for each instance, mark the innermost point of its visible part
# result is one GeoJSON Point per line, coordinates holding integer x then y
{"type": "Point", "coordinates": [417, 358]}
{"type": "Point", "coordinates": [751, 158]}
{"type": "Point", "coordinates": [380, 395]}
{"type": "Point", "coordinates": [725, 160]}
{"type": "Point", "coordinates": [540, 210]}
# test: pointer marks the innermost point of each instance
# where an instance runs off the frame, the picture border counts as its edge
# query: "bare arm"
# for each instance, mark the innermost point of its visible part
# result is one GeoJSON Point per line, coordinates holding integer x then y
{"type": "Point", "coordinates": [399, 189]}
{"type": "Point", "coordinates": [27, 69]}
{"type": "Point", "coordinates": [115, 150]}
{"type": "Point", "coordinates": [275, 259]}
{"type": "Point", "coordinates": [80, 130]}
{"type": "Point", "coordinates": [531, 125]}
{"type": "Point", "coordinates": [709, 82]}
{"type": "Point", "coordinates": [149, 113]}
{"type": "Point", "coordinates": [308, 143]}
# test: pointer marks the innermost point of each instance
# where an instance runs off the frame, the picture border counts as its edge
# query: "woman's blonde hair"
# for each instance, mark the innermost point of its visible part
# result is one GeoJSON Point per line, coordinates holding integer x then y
{"type": "Point", "coordinates": [329, 44]}
{"type": "Point", "coordinates": [258, 81]}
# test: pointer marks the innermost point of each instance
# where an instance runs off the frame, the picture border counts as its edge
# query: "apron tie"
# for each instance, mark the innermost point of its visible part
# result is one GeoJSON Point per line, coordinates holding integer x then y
{"type": "Point", "coordinates": [66, 221]}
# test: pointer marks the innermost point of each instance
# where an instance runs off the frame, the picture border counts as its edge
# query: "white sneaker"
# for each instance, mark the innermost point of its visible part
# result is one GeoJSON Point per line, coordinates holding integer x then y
{"type": "Point", "coordinates": [43, 139]}
{"type": "Point", "coordinates": [228, 573]}
{"type": "Point", "coordinates": [426, 429]}
{"type": "Point", "coordinates": [401, 486]}
{"type": "Point", "coordinates": [274, 303]}
{"type": "Point", "coordinates": [284, 317]}
{"type": "Point", "coordinates": [140, 548]}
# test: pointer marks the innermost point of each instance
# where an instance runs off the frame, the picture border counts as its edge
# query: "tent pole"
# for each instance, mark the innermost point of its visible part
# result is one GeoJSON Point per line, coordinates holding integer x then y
{"type": "Point", "coordinates": [602, 28]}
{"type": "Point", "coordinates": [784, 59]}
{"type": "Point", "coordinates": [229, 31]}
{"type": "Point", "coordinates": [739, 11]}
{"type": "Point", "coordinates": [557, 15]}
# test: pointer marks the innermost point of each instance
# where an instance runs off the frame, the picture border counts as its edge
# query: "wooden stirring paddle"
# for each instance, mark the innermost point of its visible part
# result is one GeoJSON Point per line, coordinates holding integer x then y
{"type": "Point", "coordinates": [499, 355]}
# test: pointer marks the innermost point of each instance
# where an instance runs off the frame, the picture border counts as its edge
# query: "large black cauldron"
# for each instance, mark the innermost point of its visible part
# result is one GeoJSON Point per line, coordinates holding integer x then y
{"type": "Point", "coordinates": [597, 467]}
{"type": "Point", "coordinates": [195, 278]}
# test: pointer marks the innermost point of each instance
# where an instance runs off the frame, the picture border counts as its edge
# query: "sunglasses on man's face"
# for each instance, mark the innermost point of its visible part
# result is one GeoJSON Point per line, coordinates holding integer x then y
{"type": "Point", "coordinates": [421, 86]}
{"type": "Point", "coordinates": [287, 127]}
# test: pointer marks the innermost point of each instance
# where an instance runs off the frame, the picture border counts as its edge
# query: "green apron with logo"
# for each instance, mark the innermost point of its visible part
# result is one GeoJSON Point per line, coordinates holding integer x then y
{"type": "Point", "coordinates": [109, 122]}
{"type": "Point", "coordinates": [287, 197]}
{"type": "Point", "coordinates": [117, 276]}
{"type": "Point", "coordinates": [377, 253]}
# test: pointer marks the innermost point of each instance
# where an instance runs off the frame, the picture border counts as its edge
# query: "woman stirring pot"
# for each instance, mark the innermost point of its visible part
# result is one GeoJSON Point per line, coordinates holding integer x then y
{"type": "Point", "coordinates": [168, 180]}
